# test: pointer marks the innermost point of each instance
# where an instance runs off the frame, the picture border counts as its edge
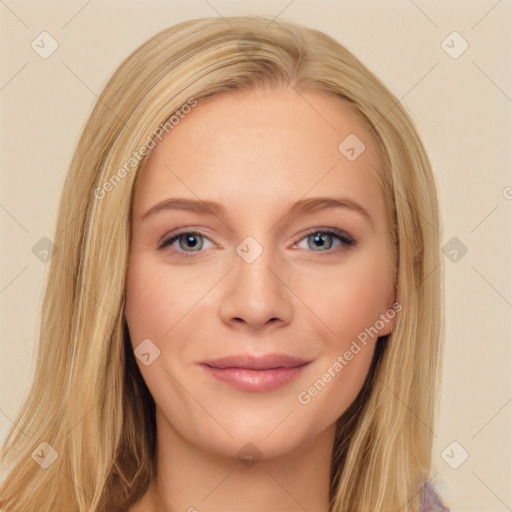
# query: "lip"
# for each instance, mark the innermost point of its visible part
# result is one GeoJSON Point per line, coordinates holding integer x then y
{"type": "Point", "coordinates": [256, 373]}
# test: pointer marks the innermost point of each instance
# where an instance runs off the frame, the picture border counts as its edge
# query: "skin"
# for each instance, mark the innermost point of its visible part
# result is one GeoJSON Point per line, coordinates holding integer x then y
{"type": "Point", "coordinates": [256, 153]}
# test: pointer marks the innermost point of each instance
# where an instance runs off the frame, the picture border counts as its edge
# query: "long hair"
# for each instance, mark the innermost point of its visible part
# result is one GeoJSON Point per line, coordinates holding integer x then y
{"type": "Point", "coordinates": [88, 401]}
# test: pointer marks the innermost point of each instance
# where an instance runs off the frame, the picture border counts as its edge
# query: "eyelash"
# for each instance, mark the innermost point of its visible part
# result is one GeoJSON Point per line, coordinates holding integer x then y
{"type": "Point", "coordinates": [345, 239]}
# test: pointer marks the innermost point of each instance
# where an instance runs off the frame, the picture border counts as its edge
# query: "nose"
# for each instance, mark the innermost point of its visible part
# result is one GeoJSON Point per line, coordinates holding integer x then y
{"type": "Point", "coordinates": [255, 294]}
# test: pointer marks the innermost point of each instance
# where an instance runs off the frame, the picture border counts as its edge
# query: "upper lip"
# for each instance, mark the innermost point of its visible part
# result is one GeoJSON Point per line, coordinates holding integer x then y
{"type": "Point", "coordinates": [257, 362]}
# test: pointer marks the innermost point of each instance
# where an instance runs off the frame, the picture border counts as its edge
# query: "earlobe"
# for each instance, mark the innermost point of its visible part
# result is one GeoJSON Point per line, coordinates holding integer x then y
{"type": "Point", "coordinates": [393, 301]}
{"type": "Point", "coordinates": [389, 315]}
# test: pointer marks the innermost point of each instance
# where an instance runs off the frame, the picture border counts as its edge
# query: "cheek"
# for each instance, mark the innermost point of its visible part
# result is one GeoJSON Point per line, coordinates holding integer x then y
{"type": "Point", "coordinates": [334, 390]}
{"type": "Point", "coordinates": [156, 299]}
{"type": "Point", "coordinates": [144, 319]}
{"type": "Point", "coordinates": [156, 309]}
{"type": "Point", "coordinates": [350, 299]}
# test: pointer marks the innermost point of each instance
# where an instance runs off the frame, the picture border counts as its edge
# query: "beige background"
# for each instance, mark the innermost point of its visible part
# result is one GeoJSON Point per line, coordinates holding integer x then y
{"type": "Point", "coordinates": [463, 109]}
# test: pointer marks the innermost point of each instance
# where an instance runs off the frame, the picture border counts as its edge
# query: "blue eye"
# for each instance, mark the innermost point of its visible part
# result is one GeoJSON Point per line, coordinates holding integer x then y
{"type": "Point", "coordinates": [323, 240]}
{"type": "Point", "coordinates": [318, 240]}
{"type": "Point", "coordinates": [189, 241]}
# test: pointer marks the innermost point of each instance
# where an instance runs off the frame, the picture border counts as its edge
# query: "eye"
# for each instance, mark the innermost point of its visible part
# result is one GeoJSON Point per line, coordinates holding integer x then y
{"type": "Point", "coordinates": [318, 240]}
{"type": "Point", "coordinates": [323, 240]}
{"type": "Point", "coordinates": [188, 242]}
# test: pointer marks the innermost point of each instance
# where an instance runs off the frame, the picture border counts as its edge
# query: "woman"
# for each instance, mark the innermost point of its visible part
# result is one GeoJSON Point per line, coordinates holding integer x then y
{"type": "Point", "coordinates": [201, 348]}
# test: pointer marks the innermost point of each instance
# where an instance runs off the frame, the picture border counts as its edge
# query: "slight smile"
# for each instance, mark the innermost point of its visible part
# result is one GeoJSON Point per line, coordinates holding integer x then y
{"type": "Point", "coordinates": [256, 373]}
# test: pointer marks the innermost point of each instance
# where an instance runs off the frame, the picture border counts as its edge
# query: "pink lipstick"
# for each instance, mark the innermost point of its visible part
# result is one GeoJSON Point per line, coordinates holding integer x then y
{"type": "Point", "coordinates": [256, 373]}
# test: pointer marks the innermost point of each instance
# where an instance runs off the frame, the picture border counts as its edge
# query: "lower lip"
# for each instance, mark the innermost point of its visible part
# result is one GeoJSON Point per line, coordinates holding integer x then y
{"type": "Point", "coordinates": [257, 381]}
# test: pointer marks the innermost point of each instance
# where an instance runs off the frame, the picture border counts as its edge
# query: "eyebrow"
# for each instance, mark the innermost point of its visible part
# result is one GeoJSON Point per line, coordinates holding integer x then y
{"type": "Point", "coordinates": [309, 205]}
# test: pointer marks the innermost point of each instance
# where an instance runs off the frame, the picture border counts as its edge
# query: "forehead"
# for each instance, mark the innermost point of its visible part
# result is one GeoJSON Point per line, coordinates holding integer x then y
{"type": "Point", "coordinates": [245, 148]}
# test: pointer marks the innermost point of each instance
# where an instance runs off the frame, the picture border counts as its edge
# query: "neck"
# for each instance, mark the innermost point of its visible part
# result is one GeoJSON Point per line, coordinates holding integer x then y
{"type": "Point", "coordinates": [195, 480]}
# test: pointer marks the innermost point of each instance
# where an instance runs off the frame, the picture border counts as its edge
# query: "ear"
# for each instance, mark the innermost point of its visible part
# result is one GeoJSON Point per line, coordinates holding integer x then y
{"type": "Point", "coordinates": [388, 316]}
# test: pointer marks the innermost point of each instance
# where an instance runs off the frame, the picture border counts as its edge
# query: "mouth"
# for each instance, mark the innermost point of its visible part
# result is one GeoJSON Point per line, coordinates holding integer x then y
{"type": "Point", "coordinates": [253, 373]}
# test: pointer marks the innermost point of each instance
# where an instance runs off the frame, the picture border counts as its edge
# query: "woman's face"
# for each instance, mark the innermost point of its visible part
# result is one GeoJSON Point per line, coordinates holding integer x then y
{"type": "Point", "coordinates": [258, 322]}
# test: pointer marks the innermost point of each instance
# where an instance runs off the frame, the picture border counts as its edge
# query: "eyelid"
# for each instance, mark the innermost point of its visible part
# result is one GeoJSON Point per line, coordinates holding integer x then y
{"type": "Point", "coordinates": [166, 239]}
{"type": "Point", "coordinates": [340, 233]}
{"type": "Point", "coordinates": [345, 239]}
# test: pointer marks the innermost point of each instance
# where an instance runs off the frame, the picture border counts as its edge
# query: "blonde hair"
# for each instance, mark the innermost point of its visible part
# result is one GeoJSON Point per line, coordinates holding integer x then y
{"type": "Point", "coordinates": [88, 400]}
